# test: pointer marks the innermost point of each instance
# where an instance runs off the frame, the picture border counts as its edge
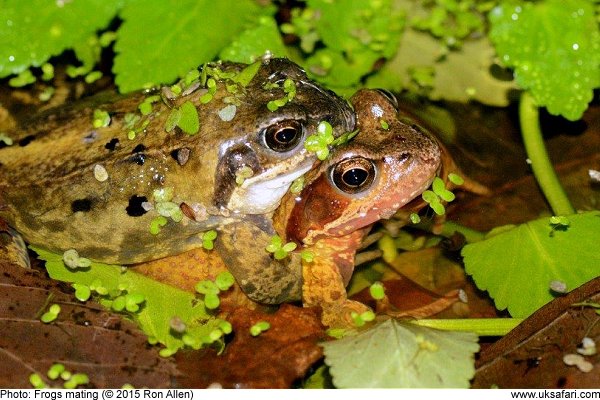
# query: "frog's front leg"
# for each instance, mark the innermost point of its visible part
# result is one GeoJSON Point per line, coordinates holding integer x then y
{"type": "Point", "coordinates": [323, 283]}
{"type": "Point", "coordinates": [242, 247]}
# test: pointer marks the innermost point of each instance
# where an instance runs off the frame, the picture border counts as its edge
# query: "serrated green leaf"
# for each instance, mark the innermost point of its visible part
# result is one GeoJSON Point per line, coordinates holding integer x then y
{"type": "Point", "coordinates": [162, 302]}
{"type": "Point", "coordinates": [517, 266]}
{"type": "Point", "coordinates": [183, 35]}
{"type": "Point", "coordinates": [32, 31]}
{"type": "Point", "coordinates": [394, 354]}
{"type": "Point", "coordinates": [554, 48]}
{"type": "Point", "coordinates": [254, 42]}
{"type": "Point", "coordinates": [333, 68]}
{"type": "Point", "coordinates": [352, 25]}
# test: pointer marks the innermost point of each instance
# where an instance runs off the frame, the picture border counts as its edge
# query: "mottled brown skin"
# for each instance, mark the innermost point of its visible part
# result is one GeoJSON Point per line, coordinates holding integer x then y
{"type": "Point", "coordinates": [48, 191]}
{"type": "Point", "coordinates": [329, 222]}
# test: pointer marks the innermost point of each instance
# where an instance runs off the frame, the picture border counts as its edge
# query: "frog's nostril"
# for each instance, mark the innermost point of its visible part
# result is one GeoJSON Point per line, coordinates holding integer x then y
{"type": "Point", "coordinates": [403, 157]}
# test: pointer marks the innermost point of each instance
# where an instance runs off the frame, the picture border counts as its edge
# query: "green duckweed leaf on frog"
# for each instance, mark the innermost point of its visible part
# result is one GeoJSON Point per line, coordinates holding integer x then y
{"type": "Point", "coordinates": [541, 253]}
{"type": "Point", "coordinates": [414, 357]}
{"type": "Point", "coordinates": [319, 142]}
{"type": "Point", "coordinates": [157, 303]}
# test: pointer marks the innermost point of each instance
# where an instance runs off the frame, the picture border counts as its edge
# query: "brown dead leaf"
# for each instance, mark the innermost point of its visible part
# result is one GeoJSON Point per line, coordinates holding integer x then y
{"type": "Point", "coordinates": [274, 359]}
{"type": "Point", "coordinates": [85, 338]}
{"type": "Point", "coordinates": [531, 355]}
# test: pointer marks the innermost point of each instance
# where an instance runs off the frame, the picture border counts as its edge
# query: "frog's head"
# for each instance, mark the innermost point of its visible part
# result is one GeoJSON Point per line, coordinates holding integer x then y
{"type": "Point", "coordinates": [369, 178]}
{"type": "Point", "coordinates": [258, 165]}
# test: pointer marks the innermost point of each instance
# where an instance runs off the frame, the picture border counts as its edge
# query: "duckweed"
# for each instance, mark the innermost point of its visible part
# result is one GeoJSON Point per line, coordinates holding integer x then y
{"type": "Point", "coordinates": [377, 291]}
{"type": "Point", "coordinates": [297, 185]}
{"type": "Point", "coordinates": [47, 71]}
{"type": "Point", "coordinates": [55, 371]}
{"type": "Point", "coordinates": [456, 179]}
{"type": "Point", "coordinates": [36, 381]}
{"type": "Point", "coordinates": [82, 292]}
{"type": "Point", "coordinates": [242, 174]}
{"type": "Point", "coordinates": [101, 119]}
{"type": "Point", "coordinates": [72, 260]}
{"type": "Point", "coordinates": [307, 256]}
{"type": "Point", "coordinates": [23, 79]}
{"type": "Point", "coordinates": [279, 249]}
{"type": "Point", "coordinates": [361, 319]}
{"type": "Point", "coordinates": [319, 143]}
{"type": "Point", "coordinates": [92, 77]}
{"type": "Point", "coordinates": [415, 218]}
{"type": "Point", "coordinates": [208, 238]}
{"type": "Point", "coordinates": [259, 328]}
{"type": "Point", "coordinates": [156, 224]}
{"type": "Point", "coordinates": [51, 314]}
{"type": "Point", "coordinates": [5, 139]}
{"type": "Point", "coordinates": [224, 280]}
{"type": "Point", "coordinates": [384, 124]}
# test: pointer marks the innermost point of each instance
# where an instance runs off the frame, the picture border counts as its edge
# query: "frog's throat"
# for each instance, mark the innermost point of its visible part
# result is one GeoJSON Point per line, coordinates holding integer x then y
{"type": "Point", "coordinates": [257, 194]}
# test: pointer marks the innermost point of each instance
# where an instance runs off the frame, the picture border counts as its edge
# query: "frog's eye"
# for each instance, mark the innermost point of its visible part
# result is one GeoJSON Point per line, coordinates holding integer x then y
{"type": "Point", "coordinates": [389, 96]}
{"type": "Point", "coordinates": [353, 175]}
{"type": "Point", "coordinates": [283, 136]}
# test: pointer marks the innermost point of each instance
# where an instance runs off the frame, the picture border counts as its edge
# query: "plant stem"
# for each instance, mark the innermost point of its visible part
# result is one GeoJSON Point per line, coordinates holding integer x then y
{"type": "Point", "coordinates": [480, 326]}
{"type": "Point", "coordinates": [540, 163]}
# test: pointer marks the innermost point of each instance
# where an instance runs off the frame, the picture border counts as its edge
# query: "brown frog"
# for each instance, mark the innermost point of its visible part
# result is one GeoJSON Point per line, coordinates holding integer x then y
{"type": "Point", "coordinates": [67, 184]}
{"type": "Point", "coordinates": [367, 179]}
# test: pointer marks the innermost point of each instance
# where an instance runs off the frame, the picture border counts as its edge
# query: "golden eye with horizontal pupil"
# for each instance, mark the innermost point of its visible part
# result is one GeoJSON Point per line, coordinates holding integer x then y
{"type": "Point", "coordinates": [353, 175]}
{"type": "Point", "coordinates": [390, 96]}
{"type": "Point", "coordinates": [283, 136]}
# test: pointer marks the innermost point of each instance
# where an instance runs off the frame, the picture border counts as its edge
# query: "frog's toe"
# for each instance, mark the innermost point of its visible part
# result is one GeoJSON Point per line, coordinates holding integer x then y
{"type": "Point", "coordinates": [342, 315]}
{"type": "Point", "coordinates": [12, 247]}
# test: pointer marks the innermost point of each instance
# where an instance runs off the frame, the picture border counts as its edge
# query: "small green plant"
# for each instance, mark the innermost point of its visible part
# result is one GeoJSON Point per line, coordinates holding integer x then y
{"type": "Point", "coordinates": [51, 314]}
{"type": "Point", "coordinates": [279, 249]}
{"type": "Point", "coordinates": [259, 328]}
{"type": "Point", "coordinates": [319, 142]}
{"type": "Point", "coordinates": [211, 289]}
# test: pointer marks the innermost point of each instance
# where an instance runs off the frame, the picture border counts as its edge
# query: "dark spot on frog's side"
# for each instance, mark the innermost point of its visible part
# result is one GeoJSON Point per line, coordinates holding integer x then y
{"type": "Point", "coordinates": [134, 208]}
{"type": "Point", "coordinates": [26, 140]}
{"type": "Point", "coordinates": [83, 205]}
{"type": "Point", "coordinates": [112, 145]}
{"type": "Point", "coordinates": [138, 149]}
{"type": "Point", "coordinates": [138, 158]}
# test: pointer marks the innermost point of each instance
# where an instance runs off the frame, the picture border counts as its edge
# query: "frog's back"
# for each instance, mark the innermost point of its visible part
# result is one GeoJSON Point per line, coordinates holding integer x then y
{"type": "Point", "coordinates": [67, 184]}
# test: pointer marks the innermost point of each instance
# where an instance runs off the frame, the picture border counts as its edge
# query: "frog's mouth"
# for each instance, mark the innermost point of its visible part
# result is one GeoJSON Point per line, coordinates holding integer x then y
{"type": "Point", "coordinates": [261, 194]}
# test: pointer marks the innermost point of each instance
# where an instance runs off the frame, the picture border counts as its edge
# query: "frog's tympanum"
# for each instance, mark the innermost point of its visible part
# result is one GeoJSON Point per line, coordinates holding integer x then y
{"type": "Point", "coordinates": [97, 176]}
{"type": "Point", "coordinates": [367, 179]}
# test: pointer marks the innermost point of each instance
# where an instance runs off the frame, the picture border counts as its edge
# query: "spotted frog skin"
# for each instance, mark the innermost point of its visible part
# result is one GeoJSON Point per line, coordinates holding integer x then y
{"type": "Point", "coordinates": [383, 168]}
{"type": "Point", "coordinates": [50, 193]}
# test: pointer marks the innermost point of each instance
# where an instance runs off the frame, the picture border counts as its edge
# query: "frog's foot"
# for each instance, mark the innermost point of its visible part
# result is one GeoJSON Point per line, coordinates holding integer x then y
{"type": "Point", "coordinates": [12, 247]}
{"type": "Point", "coordinates": [341, 315]}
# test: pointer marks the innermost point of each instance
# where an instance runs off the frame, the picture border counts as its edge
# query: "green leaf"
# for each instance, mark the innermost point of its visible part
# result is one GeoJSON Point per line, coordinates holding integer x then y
{"type": "Point", "coordinates": [162, 302]}
{"type": "Point", "coordinates": [394, 354]}
{"type": "Point", "coordinates": [353, 25]}
{"type": "Point", "coordinates": [189, 121]}
{"type": "Point", "coordinates": [183, 35]}
{"type": "Point", "coordinates": [254, 42]}
{"type": "Point", "coordinates": [32, 31]}
{"type": "Point", "coordinates": [461, 75]}
{"type": "Point", "coordinates": [517, 266]}
{"type": "Point", "coordinates": [554, 48]}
